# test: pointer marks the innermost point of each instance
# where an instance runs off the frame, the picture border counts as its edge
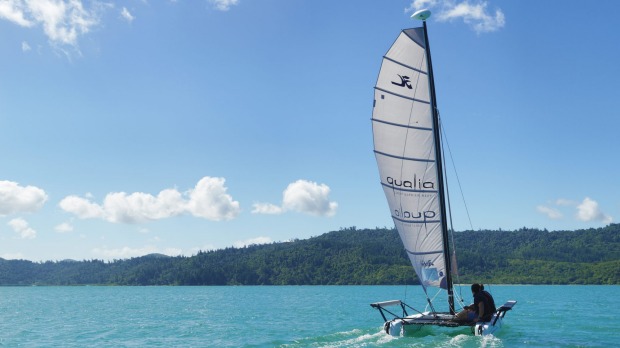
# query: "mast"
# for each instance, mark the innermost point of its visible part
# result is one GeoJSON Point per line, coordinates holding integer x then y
{"type": "Point", "coordinates": [423, 15]}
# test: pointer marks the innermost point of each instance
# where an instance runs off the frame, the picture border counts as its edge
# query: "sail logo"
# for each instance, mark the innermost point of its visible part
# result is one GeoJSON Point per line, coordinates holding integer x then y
{"type": "Point", "coordinates": [427, 263]}
{"type": "Point", "coordinates": [427, 215]}
{"type": "Point", "coordinates": [404, 82]}
{"type": "Point", "coordinates": [415, 184]}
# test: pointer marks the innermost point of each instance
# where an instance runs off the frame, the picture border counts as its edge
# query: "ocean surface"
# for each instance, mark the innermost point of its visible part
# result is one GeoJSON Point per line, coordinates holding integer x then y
{"type": "Point", "coordinates": [288, 316]}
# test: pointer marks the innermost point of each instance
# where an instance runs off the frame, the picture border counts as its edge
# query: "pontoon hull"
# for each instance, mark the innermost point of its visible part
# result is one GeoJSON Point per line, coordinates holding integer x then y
{"type": "Point", "coordinates": [414, 324]}
{"type": "Point", "coordinates": [420, 324]}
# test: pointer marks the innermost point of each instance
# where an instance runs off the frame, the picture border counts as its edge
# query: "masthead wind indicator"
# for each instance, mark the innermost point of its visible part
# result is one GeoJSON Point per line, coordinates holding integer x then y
{"type": "Point", "coordinates": [421, 15]}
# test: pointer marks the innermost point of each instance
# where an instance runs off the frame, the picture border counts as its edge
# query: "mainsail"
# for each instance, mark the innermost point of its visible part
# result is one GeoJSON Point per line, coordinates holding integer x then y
{"type": "Point", "coordinates": [407, 149]}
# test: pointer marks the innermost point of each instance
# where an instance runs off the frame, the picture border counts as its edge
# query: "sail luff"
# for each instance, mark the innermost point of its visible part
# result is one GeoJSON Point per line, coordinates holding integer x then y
{"type": "Point", "coordinates": [440, 173]}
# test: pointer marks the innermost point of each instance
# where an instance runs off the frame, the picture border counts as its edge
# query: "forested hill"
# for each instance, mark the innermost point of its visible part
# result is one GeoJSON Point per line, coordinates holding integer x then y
{"type": "Point", "coordinates": [352, 256]}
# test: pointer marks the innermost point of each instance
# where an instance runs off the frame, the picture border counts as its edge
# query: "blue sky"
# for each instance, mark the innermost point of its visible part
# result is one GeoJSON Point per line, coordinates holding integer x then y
{"type": "Point", "coordinates": [134, 127]}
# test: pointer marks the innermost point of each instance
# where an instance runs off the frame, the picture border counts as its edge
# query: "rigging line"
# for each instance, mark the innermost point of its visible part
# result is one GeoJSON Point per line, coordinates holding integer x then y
{"type": "Point", "coordinates": [429, 300]}
{"type": "Point", "coordinates": [452, 255]}
{"type": "Point", "coordinates": [460, 299]}
{"type": "Point", "coordinates": [406, 288]}
{"type": "Point", "coordinates": [445, 138]}
{"type": "Point", "coordinates": [443, 154]}
{"type": "Point", "coordinates": [433, 299]}
{"type": "Point", "coordinates": [489, 290]}
{"type": "Point", "coordinates": [456, 174]}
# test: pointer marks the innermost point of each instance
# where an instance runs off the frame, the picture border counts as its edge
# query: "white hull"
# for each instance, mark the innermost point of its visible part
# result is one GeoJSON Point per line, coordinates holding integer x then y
{"type": "Point", "coordinates": [428, 323]}
{"type": "Point", "coordinates": [488, 328]}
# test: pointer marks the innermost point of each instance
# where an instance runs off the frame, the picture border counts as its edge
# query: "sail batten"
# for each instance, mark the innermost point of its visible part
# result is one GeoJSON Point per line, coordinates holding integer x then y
{"type": "Point", "coordinates": [425, 253]}
{"type": "Point", "coordinates": [416, 222]}
{"type": "Point", "coordinates": [405, 65]}
{"type": "Point", "coordinates": [405, 146]}
{"type": "Point", "coordinates": [402, 125]}
{"type": "Point", "coordinates": [391, 187]}
{"type": "Point", "coordinates": [402, 96]}
{"type": "Point", "coordinates": [404, 158]}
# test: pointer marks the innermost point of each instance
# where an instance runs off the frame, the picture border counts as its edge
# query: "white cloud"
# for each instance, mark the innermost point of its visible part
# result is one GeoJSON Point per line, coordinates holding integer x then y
{"type": "Point", "coordinates": [25, 46]}
{"type": "Point", "coordinates": [81, 207]}
{"type": "Point", "coordinates": [550, 212]}
{"type": "Point", "coordinates": [421, 4]}
{"type": "Point", "coordinates": [126, 15]}
{"type": "Point", "coordinates": [141, 207]}
{"type": "Point", "coordinates": [475, 13]}
{"type": "Point", "coordinates": [63, 21]}
{"type": "Point", "coordinates": [13, 10]}
{"type": "Point", "coordinates": [588, 210]}
{"type": "Point", "coordinates": [127, 252]}
{"type": "Point", "coordinates": [21, 226]}
{"type": "Point", "coordinates": [266, 208]}
{"type": "Point", "coordinates": [304, 197]}
{"type": "Point", "coordinates": [12, 256]}
{"type": "Point", "coordinates": [565, 202]}
{"type": "Point", "coordinates": [309, 197]}
{"type": "Point", "coordinates": [253, 241]}
{"type": "Point", "coordinates": [19, 199]}
{"type": "Point", "coordinates": [223, 5]}
{"type": "Point", "coordinates": [207, 200]}
{"type": "Point", "coordinates": [64, 227]}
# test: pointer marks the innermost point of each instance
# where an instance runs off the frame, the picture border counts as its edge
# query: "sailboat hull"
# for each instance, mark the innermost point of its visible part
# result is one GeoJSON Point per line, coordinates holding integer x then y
{"type": "Point", "coordinates": [488, 328]}
{"type": "Point", "coordinates": [417, 324]}
{"type": "Point", "coordinates": [421, 324]}
{"type": "Point", "coordinates": [427, 324]}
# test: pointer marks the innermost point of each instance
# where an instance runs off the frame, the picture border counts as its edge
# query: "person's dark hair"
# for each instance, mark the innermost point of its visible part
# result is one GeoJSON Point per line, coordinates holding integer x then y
{"type": "Point", "coordinates": [481, 286]}
{"type": "Point", "coordinates": [475, 288]}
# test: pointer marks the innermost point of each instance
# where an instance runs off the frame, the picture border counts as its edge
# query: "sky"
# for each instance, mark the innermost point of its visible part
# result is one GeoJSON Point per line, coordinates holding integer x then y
{"type": "Point", "coordinates": [140, 126]}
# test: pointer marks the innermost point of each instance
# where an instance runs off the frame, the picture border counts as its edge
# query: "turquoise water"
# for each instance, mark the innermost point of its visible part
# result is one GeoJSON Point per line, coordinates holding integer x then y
{"type": "Point", "coordinates": [286, 316]}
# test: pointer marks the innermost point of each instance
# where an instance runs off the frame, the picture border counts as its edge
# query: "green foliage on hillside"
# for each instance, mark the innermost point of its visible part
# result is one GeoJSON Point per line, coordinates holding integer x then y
{"type": "Point", "coordinates": [352, 256]}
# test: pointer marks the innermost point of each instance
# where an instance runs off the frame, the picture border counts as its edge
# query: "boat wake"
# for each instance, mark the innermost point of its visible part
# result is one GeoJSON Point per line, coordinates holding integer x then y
{"type": "Point", "coordinates": [464, 340]}
{"type": "Point", "coordinates": [352, 338]}
{"type": "Point", "coordinates": [378, 338]}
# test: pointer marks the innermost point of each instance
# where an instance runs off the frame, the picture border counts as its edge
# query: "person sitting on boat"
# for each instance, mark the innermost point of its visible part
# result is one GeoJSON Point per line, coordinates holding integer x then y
{"type": "Point", "coordinates": [484, 304]}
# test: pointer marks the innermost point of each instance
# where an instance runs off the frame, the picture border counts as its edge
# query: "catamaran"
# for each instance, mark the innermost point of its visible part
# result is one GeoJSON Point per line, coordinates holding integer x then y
{"type": "Point", "coordinates": [407, 147]}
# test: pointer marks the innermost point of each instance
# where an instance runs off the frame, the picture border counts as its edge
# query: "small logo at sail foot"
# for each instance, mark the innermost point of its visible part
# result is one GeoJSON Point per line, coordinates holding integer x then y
{"type": "Point", "coordinates": [404, 81]}
{"type": "Point", "coordinates": [427, 263]}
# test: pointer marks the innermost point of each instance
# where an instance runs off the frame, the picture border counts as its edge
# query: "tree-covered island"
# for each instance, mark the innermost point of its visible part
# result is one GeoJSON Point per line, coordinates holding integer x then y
{"type": "Point", "coordinates": [351, 256]}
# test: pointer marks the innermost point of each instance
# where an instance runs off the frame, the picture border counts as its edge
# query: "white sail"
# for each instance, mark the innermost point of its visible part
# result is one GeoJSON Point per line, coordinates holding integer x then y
{"type": "Point", "coordinates": [404, 141]}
